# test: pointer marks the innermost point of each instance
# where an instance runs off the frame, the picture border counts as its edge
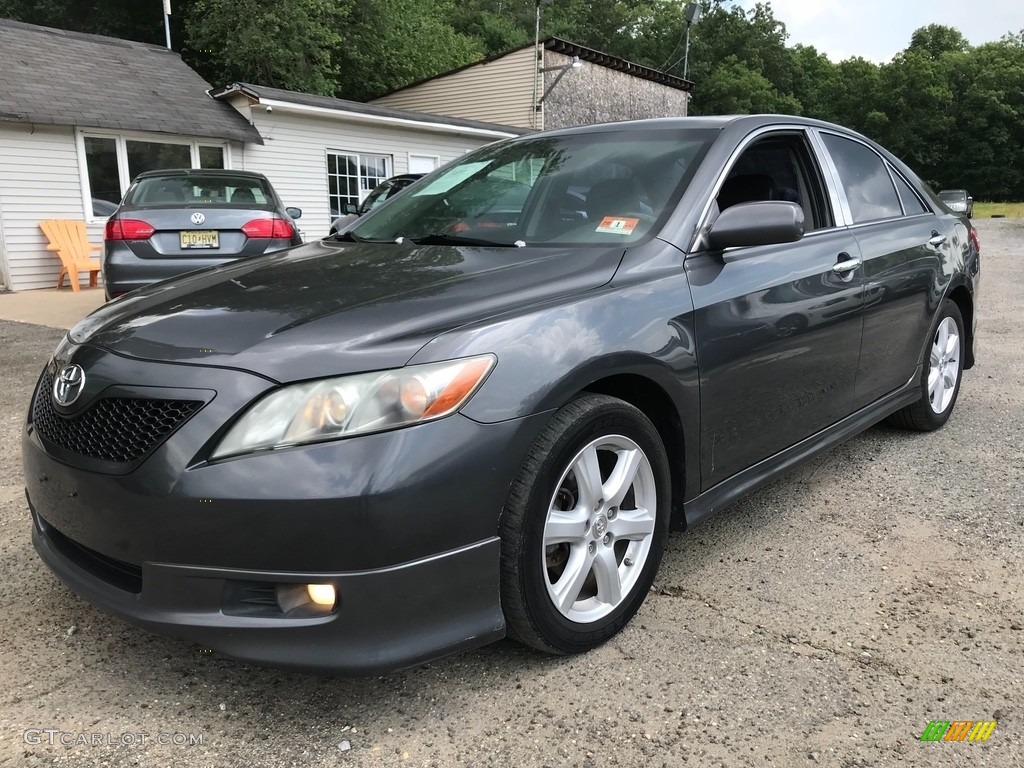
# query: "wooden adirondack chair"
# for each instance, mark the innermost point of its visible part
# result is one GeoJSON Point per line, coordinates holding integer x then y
{"type": "Point", "coordinates": [69, 239]}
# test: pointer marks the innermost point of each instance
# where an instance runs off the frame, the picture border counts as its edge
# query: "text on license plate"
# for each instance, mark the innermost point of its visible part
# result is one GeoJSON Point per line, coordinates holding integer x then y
{"type": "Point", "coordinates": [200, 238]}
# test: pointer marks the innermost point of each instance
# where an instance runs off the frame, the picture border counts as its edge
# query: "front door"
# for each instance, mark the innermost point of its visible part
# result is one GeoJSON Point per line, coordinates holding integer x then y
{"type": "Point", "coordinates": [778, 327]}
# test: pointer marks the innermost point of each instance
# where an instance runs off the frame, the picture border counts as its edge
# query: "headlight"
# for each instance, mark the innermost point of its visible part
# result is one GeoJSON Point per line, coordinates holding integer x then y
{"type": "Point", "coordinates": [354, 405]}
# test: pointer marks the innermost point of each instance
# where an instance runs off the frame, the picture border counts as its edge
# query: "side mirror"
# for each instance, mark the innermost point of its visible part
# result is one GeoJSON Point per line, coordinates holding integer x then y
{"type": "Point", "coordinates": [970, 199]}
{"type": "Point", "coordinates": [757, 223]}
{"type": "Point", "coordinates": [350, 208]}
{"type": "Point", "coordinates": [295, 213]}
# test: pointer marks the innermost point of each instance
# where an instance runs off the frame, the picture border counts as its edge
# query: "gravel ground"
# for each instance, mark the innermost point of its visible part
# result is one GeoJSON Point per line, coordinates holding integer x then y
{"type": "Point", "coordinates": [822, 621]}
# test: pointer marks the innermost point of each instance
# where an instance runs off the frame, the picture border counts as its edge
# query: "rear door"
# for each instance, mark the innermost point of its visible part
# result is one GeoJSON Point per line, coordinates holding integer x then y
{"type": "Point", "coordinates": [903, 245]}
{"type": "Point", "coordinates": [778, 327]}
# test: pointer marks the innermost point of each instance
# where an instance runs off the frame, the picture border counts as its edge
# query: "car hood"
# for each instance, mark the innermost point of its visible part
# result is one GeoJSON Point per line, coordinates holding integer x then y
{"type": "Point", "coordinates": [332, 308]}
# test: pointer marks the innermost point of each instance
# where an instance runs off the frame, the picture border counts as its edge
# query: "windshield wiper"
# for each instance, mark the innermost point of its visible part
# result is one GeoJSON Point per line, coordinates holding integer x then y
{"type": "Point", "coordinates": [439, 239]}
{"type": "Point", "coordinates": [349, 236]}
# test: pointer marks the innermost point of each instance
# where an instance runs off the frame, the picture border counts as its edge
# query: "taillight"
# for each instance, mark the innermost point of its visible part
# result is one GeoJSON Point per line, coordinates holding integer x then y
{"type": "Point", "coordinates": [974, 240]}
{"type": "Point", "coordinates": [277, 229]}
{"type": "Point", "coordinates": [127, 229]}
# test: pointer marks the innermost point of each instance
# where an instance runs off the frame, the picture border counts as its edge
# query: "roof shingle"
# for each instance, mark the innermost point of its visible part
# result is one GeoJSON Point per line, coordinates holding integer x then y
{"type": "Point", "coordinates": [57, 77]}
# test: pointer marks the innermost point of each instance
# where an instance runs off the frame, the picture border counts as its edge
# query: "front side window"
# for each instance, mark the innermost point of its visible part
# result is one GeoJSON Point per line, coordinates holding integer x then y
{"type": "Point", "coordinates": [351, 177]}
{"type": "Point", "coordinates": [778, 167]}
{"type": "Point", "coordinates": [597, 187]}
{"type": "Point", "coordinates": [869, 188]}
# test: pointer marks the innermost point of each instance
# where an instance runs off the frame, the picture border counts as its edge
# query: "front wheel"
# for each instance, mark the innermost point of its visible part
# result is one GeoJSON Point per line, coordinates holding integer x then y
{"type": "Point", "coordinates": [585, 525]}
{"type": "Point", "coordinates": [940, 379]}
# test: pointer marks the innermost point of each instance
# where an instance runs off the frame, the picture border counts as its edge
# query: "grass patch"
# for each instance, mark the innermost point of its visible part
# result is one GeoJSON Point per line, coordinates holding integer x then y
{"type": "Point", "coordinates": [1009, 210]}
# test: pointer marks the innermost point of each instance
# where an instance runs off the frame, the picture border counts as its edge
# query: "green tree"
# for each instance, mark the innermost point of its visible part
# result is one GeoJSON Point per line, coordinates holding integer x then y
{"type": "Point", "coordinates": [142, 21]}
{"type": "Point", "coordinates": [280, 43]}
{"type": "Point", "coordinates": [386, 44]}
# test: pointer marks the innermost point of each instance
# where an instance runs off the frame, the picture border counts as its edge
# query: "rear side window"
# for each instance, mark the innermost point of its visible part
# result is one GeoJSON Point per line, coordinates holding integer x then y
{"type": "Point", "coordinates": [912, 204]}
{"type": "Point", "coordinates": [869, 188]}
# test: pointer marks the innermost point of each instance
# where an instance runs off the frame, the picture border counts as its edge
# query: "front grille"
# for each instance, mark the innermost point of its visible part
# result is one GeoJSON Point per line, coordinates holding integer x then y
{"type": "Point", "coordinates": [115, 429]}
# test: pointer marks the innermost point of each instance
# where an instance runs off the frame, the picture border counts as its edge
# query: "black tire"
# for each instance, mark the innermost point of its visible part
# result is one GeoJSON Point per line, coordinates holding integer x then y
{"type": "Point", "coordinates": [922, 415]}
{"type": "Point", "coordinates": [603, 424]}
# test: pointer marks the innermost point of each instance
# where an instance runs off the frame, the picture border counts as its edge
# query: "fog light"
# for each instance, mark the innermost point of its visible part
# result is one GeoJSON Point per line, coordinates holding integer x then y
{"type": "Point", "coordinates": [322, 594]}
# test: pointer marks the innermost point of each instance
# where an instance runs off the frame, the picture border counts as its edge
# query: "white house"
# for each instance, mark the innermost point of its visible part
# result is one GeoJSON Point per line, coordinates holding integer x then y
{"type": "Point", "coordinates": [81, 115]}
{"type": "Point", "coordinates": [321, 153]}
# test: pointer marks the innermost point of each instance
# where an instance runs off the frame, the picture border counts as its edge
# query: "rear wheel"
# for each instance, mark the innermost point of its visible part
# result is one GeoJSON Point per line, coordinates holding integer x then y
{"type": "Point", "coordinates": [940, 379]}
{"type": "Point", "coordinates": [584, 527]}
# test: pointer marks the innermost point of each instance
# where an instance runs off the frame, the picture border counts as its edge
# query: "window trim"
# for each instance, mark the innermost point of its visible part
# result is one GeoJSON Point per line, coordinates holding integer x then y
{"type": "Point", "coordinates": [121, 139]}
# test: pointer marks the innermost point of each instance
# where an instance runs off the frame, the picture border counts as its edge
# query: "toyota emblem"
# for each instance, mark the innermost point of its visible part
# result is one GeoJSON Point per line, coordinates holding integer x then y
{"type": "Point", "coordinates": [68, 385]}
{"type": "Point", "coordinates": [198, 218]}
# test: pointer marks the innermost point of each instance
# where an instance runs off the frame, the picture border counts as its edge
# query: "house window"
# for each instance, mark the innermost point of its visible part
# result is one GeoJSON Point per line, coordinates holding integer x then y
{"type": "Point", "coordinates": [351, 177]}
{"type": "Point", "coordinates": [104, 180]}
{"type": "Point", "coordinates": [156, 156]}
{"type": "Point", "coordinates": [211, 157]}
{"type": "Point", "coordinates": [112, 161]}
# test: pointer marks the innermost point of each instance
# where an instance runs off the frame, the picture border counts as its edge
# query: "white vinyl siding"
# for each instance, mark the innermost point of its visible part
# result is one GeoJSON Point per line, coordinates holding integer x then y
{"type": "Point", "coordinates": [43, 176]}
{"type": "Point", "coordinates": [296, 145]}
{"type": "Point", "coordinates": [39, 179]}
{"type": "Point", "coordinates": [498, 91]}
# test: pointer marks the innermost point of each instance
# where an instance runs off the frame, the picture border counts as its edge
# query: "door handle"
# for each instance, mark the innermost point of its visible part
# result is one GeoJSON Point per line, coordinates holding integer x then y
{"type": "Point", "coordinates": [937, 239]}
{"type": "Point", "coordinates": [848, 265]}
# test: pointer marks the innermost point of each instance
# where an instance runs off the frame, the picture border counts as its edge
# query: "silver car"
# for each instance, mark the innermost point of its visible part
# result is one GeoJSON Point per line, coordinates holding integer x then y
{"type": "Point", "coordinates": [176, 221]}
{"type": "Point", "coordinates": [958, 201]}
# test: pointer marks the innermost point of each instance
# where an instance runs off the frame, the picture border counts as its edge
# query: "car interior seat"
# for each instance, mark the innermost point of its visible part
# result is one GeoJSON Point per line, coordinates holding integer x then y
{"type": "Point", "coordinates": [168, 192]}
{"type": "Point", "coordinates": [612, 197]}
{"type": "Point", "coordinates": [243, 195]}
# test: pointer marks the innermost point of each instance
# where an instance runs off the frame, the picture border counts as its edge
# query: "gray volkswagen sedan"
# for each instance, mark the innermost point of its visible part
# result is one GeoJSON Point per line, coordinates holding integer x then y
{"type": "Point", "coordinates": [458, 421]}
{"type": "Point", "coordinates": [176, 221]}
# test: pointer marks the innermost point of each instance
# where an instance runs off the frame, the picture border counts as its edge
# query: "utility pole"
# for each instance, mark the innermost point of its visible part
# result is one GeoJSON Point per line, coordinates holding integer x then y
{"type": "Point", "coordinates": [692, 15]}
{"type": "Point", "coordinates": [167, 22]}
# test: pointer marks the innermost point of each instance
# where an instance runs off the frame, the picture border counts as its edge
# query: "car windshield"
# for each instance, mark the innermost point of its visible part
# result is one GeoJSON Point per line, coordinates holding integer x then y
{"type": "Point", "coordinates": [588, 188]}
{"type": "Point", "coordinates": [953, 196]}
{"type": "Point", "coordinates": [198, 189]}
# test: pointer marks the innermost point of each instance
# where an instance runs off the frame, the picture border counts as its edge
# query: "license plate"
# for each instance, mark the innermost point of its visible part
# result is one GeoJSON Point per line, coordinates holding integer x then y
{"type": "Point", "coordinates": [199, 238]}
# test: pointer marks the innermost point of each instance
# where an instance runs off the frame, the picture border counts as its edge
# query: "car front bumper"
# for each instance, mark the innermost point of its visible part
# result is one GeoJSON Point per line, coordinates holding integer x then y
{"type": "Point", "coordinates": [385, 619]}
{"type": "Point", "coordinates": [404, 525]}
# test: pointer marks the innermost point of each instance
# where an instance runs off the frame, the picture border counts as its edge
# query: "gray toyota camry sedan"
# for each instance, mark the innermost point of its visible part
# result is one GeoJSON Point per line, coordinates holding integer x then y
{"type": "Point", "coordinates": [473, 414]}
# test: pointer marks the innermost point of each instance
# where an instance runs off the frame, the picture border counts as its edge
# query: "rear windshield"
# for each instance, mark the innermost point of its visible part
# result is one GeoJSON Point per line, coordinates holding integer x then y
{"type": "Point", "coordinates": [586, 188]}
{"type": "Point", "coordinates": [954, 196]}
{"type": "Point", "coordinates": [199, 190]}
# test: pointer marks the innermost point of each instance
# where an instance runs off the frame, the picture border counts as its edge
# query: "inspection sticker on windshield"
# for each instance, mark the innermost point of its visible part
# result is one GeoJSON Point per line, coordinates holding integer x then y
{"type": "Point", "coordinates": [617, 226]}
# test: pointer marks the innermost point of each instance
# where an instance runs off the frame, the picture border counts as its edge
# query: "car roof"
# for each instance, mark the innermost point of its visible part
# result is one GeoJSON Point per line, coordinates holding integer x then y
{"type": "Point", "coordinates": [200, 171]}
{"type": "Point", "coordinates": [713, 122]}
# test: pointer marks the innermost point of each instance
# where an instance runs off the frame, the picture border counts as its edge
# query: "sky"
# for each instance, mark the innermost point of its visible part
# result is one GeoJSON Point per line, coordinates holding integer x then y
{"type": "Point", "coordinates": [879, 29]}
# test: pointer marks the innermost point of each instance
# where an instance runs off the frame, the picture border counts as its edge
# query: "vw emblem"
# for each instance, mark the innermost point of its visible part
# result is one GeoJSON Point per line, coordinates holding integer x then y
{"type": "Point", "coordinates": [198, 218]}
{"type": "Point", "coordinates": [68, 385]}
